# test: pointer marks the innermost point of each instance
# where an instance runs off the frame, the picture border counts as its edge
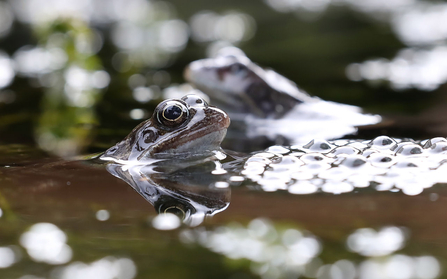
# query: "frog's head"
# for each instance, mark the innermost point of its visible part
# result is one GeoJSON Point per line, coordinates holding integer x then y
{"type": "Point", "coordinates": [225, 78]}
{"type": "Point", "coordinates": [178, 129]}
{"type": "Point", "coordinates": [236, 83]}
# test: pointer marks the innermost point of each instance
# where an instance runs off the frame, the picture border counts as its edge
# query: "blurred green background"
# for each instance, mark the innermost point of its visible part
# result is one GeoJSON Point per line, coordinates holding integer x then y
{"type": "Point", "coordinates": [78, 76]}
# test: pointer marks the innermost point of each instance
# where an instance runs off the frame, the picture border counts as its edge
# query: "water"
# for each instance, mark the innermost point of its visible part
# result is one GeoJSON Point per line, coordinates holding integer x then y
{"type": "Point", "coordinates": [71, 86]}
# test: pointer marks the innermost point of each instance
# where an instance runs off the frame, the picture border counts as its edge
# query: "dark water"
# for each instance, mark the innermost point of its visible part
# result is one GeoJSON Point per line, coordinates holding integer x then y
{"type": "Point", "coordinates": [72, 218]}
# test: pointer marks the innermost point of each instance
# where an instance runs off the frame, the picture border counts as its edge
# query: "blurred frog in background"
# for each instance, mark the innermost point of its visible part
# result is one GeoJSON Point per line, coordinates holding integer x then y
{"type": "Point", "coordinates": [267, 104]}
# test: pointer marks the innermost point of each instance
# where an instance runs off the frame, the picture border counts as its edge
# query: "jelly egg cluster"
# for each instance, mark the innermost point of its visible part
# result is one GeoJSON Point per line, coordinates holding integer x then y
{"type": "Point", "coordinates": [341, 166]}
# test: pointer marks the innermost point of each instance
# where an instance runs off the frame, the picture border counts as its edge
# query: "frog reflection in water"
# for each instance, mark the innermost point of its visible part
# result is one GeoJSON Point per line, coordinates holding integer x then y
{"type": "Point", "coordinates": [179, 129]}
{"type": "Point", "coordinates": [190, 194]}
{"type": "Point", "coordinates": [269, 104]}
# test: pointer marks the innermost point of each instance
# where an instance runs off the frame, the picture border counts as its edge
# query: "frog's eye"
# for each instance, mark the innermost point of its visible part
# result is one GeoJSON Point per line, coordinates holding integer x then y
{"type": "Point", "coordinates": [172, 114]}
{"type": "Point", "coordinates": [238, 68]}
{"type": "Point", "coordinates": [176, 210]}
{"type": "Point", "coordinates": [174, 206]}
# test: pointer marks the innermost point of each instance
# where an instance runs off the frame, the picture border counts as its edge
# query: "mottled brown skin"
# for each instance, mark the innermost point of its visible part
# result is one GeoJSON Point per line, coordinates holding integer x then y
{"type": "Point", "coordinates": [197, 133]}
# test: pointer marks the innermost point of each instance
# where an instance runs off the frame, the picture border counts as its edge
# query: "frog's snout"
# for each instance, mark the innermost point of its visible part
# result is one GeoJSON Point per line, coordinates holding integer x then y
{"type": "Point", "coordinates": [222, 119]}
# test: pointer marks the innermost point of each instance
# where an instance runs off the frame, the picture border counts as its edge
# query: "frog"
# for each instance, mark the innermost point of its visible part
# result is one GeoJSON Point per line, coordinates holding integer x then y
{"type": "Point", "coordinates": [179, 129]}
{"type": "Point", "coordinates": [268, 104]}
{"type": "Point", "coordinates": [233, 81]}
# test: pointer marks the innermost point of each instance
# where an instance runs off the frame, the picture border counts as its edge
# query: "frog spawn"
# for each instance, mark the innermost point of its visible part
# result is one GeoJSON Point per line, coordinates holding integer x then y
{"type": "Point", "coordinates": [341, 166]}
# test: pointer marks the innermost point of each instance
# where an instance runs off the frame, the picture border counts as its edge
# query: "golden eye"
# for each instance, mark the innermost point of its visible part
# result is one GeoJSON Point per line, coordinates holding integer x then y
{"type": "Point", "coordinates": [172, 114]}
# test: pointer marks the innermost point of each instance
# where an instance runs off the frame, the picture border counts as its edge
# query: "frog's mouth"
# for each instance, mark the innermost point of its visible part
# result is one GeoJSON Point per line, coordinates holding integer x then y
{"type": "Point", "coordinates": [200, 137]}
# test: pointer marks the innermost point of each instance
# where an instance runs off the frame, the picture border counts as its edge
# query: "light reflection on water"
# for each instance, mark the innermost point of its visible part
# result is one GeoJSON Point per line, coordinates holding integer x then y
{"type": "Point", "coordinates": [288, 253]}
{"type": "Point", "coordinates": [102, 215]}
{"type": "Point", "coordinates": [273, 253]}
{"type": "Point", "coordinates": [166, 221]}
{"type": "Point", "coordinates": [105, 268]}
{"type": "Point", "coordinates": [7, 257]}
{"type": "Point", "coordinates": [400, 266]}
{"type": "Point", "coordinates": [46, 243]}
{"type": "Point", "coordinates": [368, 242]}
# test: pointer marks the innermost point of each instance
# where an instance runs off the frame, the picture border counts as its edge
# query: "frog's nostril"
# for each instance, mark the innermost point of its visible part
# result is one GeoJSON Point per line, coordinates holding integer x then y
{"type": "Point", "coordinates": [194, 100]}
